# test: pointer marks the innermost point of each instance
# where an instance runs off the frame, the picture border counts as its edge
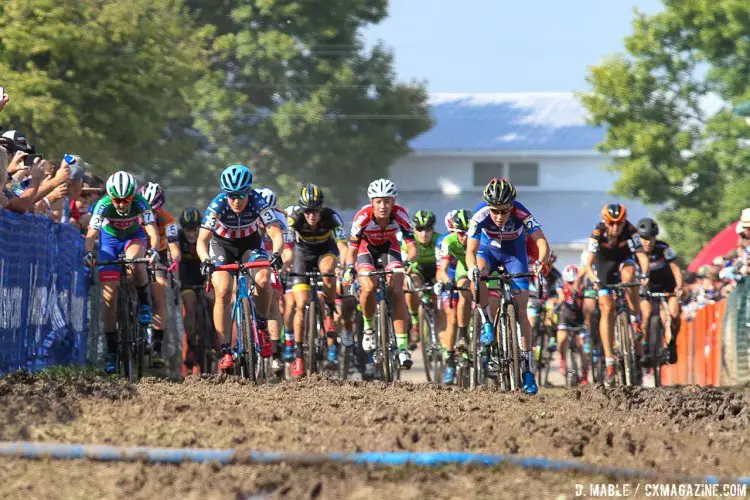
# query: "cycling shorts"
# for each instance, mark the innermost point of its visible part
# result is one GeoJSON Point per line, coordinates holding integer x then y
{"type": "Point", "coordinates": [450, 299]}
{"type": "Point", "coordinates": [161, 270]}
{"type": "Point", "coordinates": [307, 259]}
{"type": "Point", "coordinates": [111, 247]}
{"type": "Point", "coordinates": [511, 254]}
{"type": "Point", "coordinates": [570, 317]}
{"type": "Point", "coordinates": [231, 251]}
{"type": "Point", "coordinates": [426, 272]}
{"type": "Point", "coordinates": [662, 283]}
{"type": "Point", "coordinates": [608, 272]}
{"type": "Point", "coordinates": [370, 257]}
{"type": "Point", "coordinates": [190, 274]}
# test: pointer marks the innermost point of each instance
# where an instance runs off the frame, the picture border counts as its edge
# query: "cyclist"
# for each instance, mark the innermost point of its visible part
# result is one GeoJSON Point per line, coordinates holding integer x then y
{"type": "Point", "coordinates": [422, 271]}
{"type": "Point", "coordinates": [319, 240]}
{"type": "Point", "coordinates": [190, 277]}
{"type": "Point", "coordinates": [571, 316]}
{"type": "Point", "coordinates": [456, 305]}
{"type": "Point", "coordinates": [551, 277]}
{"type": "Point", "coordinates": [497, 236]}
{"type": "Point", "coordinates": [665, 277]}
{"type": "Point", "coordinates": [274, 319]}
{"type": "Point", "coordinates": [169, 248]}
{"type": "Point", "coordinates": [229, 234]}
{"type": "Point", "coordinates": [373, 242]}
{"type": "Point", "coordinates": [288, 300]}
{"type": "Point", "coordinates": [613, 245]}
{"type": "Point", "coordinates": [116, 221]}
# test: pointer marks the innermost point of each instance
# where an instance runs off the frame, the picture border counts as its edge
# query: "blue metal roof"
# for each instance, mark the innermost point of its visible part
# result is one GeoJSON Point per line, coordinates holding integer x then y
{"type": "Point", "coordinates": [508, 122]}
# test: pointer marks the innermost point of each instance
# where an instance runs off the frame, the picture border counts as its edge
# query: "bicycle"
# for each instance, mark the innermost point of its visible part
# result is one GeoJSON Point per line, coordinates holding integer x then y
{"type": "Point", "coordinates": [432, 350]}
{"type": "Point", "coordinates": [386, 348]}
{"type": "Point", "coordinates": [313, 345]}
{"type": "Point", "coordinates": [131, 335]}
{"type": "Point", "coordinates": [504, 354]}
{"type": "Point", "coordinates": [571, 354]}
{"type": "Point", "coordinates": [628, 365]}
{"type": "Point", "coordinates": [543, 359]}
{"type": "Point", "coordinates": [658, 353]}
{"type": "Point", "coordinates": [205, 336]}
{"type": "Point", "coordinates": [247, 360]}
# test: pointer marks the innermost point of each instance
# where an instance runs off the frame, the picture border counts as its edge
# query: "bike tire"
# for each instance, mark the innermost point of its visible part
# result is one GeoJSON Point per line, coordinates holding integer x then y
{"type": "Point", "coordinates": [426, 335]}
{"type": "Point", "coordinates": [656, 346]}
{"type": "Point", "coordinates": [626, 348]}
{"type": "Point", "coordinates": [499, 350]}
{"type": "Point", "coordinates": [203, 345]}
{"type": "Point", "coordinates": [311, 338]}
{"type": "Point", "coordinates": [541, 344]}
{"type": "Point", "coordinates": [126, 334]}
{"type": "Point", "coordinates": [384, 339]}
{"type": "Point", "coordinates": [571, 371]}
{"type": "Point", "coordinates": [475, 351]}
{"type": "Point", "coordinates": [513, 345]}
{"type": "Point", "coordinates": [139, 349]}
{"type": "Point", "coordinates": [248, 340]}
{"type": "Point", "coordinates": [360, 356]}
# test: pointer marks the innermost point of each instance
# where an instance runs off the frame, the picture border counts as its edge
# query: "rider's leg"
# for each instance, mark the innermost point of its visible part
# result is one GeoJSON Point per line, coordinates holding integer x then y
{"type": "Point", "coordinates": [327, 265]}
{"type": "Point", "coordinates": [347, 308]}
{"type": "Point", "coordinates": [562, 342]}
{"type": "Point", "coordinates": [223, 291]}
{"type": "Point", "coordinates": [110, 290]}
{"type": "Point", "coordinates": [463, 309]}
{"type": "Point", "coordinates": [190, 306]}
{"type": "Point", "coordinates": [158, 324]}
{"type": "Point", "coordinates": [301, 293]}
{"type": "Point", "coordinates": [646, 309]}
{"type": "Point", "coordinates": [673, 304]}
{"type": "Point", "coordinates": [627, 273]}
{"type": "Point", "coordinates": [412, 301]}
{"type": "Point", "coordinates": [398, 299]}
{"type": "Point", "coordinates": [606, 327]}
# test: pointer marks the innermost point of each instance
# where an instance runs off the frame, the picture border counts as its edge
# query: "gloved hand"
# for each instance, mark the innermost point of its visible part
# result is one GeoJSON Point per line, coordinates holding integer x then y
{"type": "Point", "coordinates": [153, 255]}
{"type": "Point", "coordinates": [89, 259]}
{"type": "Point", "coordinates": [207, 267]}
{"type": "Point", "coordinates": [275, 260]}
{"type": "Point", "coordinates": [448, 286]}
{"type": "Point", "coordinates": [173, 267]}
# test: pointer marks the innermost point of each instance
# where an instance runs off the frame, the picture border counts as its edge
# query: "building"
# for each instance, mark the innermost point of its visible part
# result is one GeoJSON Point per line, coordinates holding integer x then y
{"type": "Point", "coordinates": [539, 140]}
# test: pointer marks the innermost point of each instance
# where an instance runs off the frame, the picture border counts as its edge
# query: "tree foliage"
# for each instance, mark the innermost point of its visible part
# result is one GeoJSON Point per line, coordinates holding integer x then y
{"type": "Point", "coordinates": [301, 96]}
{"type": "Point", "coordinates": [652, 99]}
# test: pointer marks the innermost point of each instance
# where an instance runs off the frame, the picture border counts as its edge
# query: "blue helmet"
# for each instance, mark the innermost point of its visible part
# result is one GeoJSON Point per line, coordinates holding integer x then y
{"type": "Point", "coordinates": [236, 179]}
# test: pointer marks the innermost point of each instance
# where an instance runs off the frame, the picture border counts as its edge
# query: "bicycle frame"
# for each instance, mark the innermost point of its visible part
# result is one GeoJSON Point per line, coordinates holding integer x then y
{"type": "Point", "coordinates": [624, 340]}
{"type": "Point", "coordinates": [389, 352]}
{"type": "Point", "coordinates": [659, 355]}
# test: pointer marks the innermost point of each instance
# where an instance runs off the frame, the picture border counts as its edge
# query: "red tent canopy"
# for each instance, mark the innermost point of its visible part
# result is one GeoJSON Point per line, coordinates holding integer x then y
{"type": "Point", "coordinates": [719, 246]}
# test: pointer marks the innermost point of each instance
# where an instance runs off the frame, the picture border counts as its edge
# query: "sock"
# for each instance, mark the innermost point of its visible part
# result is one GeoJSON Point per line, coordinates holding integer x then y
{"type": "Point", "coordinates": [450, 358]}
{"type": "Point", "coordinates": [111, 342]}
{"type": "Point", "coordinates": [462, 332]}
{"type": "Point", "coordinates": [298, 351]}
{"type": "Point", "coordinates": [142, 292]}
{"type": "Point", "coordinates": [276, 348]}
{"type": "Point", "coordinates": [368, 322]}
{"type": "Point", "coordinates": [527, 363]}
{"type": "Point", "coordinates": [414, 318]}
{"type": "Point", "coordinates": [402, 339]}
{"type": "Point", "coordinates": [158, 337]}
{"type": "Point", "coordinates": [347, 338]}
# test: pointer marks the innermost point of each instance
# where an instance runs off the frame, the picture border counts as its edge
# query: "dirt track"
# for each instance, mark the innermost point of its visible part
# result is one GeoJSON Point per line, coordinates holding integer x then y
{"type": "Point", "coordinates": [688, 430]}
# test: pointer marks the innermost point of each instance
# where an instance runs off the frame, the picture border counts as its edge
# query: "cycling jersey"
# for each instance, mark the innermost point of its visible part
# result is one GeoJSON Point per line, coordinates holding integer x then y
{"type": "Point", "coordinates": [571, 311]}
{"type": "Point", "coordinates": [106, 219]}
{"type": "Point", "coordinates": [167, 229]}
{"type": "Point", "coordinates": [228, 225]}
{"type": "Point", "coordinates": [379, 244]}
{"type": "Point", "coordinates": [329, 228]}
{"type": "Point", "coordinates": [454, 253]}
{"type": "Point", "coordinates": [286, 233]}
{"type": "Point", "coordinates": [624, 246]}
{"type": "Point", "coordinates": [425, 253]}
{"type": "Point", "coordinates": [661, 277]}
{"type": "Point", "coordinates": [190, 265]}
{"type": "Point", "coordinates": [504, 245]}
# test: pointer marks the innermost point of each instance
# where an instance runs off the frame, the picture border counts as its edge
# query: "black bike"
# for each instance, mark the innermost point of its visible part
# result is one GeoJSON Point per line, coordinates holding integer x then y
{"type": "Point", "coordinates": [504, 354]}
{"type": "Point", "coordinates": [386, 347]}
{"type": "Point", "coordinates": [202, 340]}
{"type": "Point", "coordinates": [628, 364]}
{"type": "Point", "coordinates": [658, 349]}
{"type": "Point", "coordinates": [315, 348]}
{"type": "Point", "coordinates": [131, 335]}
{"type": "Point", "coordinates": [432, 351]}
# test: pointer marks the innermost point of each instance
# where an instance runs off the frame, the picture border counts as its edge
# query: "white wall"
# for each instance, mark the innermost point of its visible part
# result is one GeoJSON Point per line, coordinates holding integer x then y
{"type": "Point", "coordinates": [456, 173]}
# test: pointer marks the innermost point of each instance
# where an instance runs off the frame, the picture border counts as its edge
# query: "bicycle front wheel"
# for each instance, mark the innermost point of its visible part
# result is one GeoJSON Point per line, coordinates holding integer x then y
{"type": "Point", "coordinates": [384, 337]}
{"type": "Point", "coordinates": [513, 346]}
{"type": "Point", "coordinates": [425, 333]}
{"type": "Point", "coordinates": [656, 346]}
{"type": "Point", "coordinates": [311, 337]}
{"type": "Point", "coordinates": [248, 365]}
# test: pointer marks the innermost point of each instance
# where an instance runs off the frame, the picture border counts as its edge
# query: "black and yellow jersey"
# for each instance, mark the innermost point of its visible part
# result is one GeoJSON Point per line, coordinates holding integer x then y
{"type": "Point", "coordinates": [330, 227]}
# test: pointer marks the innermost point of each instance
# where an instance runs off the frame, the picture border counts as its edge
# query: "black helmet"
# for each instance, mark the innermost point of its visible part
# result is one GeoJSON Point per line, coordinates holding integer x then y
{"type": "Point", "coordinates": [499, 192]}
{"type": "Point", "coordinates": [424, 219]}
{"type": "Point", "coordinates": [310, 197]}
{"type": "Point", "coordinates": [461, 220]}
{"type": "Point", "coordinates": [190, 217]}
{"type": "Point", "coordinates": [647, 228]}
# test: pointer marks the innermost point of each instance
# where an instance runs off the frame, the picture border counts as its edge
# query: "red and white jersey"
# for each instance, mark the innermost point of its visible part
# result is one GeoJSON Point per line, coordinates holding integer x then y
{"type": "Point", "coordinates": [366, 228]}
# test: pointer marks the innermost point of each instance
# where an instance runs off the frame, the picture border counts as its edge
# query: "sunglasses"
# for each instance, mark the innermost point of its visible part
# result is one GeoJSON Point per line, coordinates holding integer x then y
{"type": "Point", "coordinates": [423, 229]}
{"type": "Point", "coordinates": [500, 211]}
{"type": "Point", "coordinates": [237, 196]}
{"type": "Point", "coordinates": [122, 200]}
{"type": "Point", "coordinates": [312, 211]}
{"type": "Point", "coordinates": [615, 224]}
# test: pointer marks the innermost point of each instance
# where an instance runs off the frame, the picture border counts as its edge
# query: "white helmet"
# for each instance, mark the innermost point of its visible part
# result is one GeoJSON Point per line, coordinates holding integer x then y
{"type": "Point", "coordinates": [121, 185]}
{"type": "Point", "coordinates": [569, 273]}
{"type": "Point", "coordinates": [268, 195]}
{"type": "Point", "coordinates": [449, 221]}
{"type": "Point", "coordinates": [382, 188]}
{"type": "Point", "coordinates": [290, 209]}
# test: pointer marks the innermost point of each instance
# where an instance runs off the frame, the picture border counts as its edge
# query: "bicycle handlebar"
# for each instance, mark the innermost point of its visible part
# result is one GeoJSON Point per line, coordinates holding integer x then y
{"type": "Point", "coordinates": [625, 285]}
{"type": "Point", "coordinates": [311, 274]}
{"type": "Point", "coordinates": [139, 260]}
{"type": "Point", "coordinates": [245, 265]}
{"type": "Point", "coordinates": [399, 270]}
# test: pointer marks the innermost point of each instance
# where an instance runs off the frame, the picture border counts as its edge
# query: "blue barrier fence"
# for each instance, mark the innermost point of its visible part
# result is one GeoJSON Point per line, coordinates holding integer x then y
{"type": "Point", "coordinates": [43, 293]}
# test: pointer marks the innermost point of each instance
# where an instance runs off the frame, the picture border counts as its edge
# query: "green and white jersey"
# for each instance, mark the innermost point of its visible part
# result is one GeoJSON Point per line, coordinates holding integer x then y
{"type": "Point", "coordinates": [105, 217]}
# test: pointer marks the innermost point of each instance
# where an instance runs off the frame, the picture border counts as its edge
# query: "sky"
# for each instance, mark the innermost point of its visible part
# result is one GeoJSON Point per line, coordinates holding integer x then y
{"type": "Point", "coordinates": [504, 45]}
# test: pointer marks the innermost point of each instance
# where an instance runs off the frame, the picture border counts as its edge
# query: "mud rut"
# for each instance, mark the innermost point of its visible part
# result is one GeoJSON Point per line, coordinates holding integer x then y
{"type": "Point", "coordinates": [690, 430]}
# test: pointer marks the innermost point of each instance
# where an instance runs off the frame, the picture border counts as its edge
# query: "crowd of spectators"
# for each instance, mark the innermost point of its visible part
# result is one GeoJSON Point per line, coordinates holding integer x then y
{"type": "Point", "coordinates": [35, 184]}
{"type": "Point", "coordinates": [715, 282]}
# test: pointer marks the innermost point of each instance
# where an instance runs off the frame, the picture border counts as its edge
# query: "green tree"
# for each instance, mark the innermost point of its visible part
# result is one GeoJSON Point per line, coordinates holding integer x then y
{"type": "Point", "coordinates": [652, 101]}
{"type": "Point", "coordinates": [111, 80]}
{"type": "Point", "coordinates": [296, 84]}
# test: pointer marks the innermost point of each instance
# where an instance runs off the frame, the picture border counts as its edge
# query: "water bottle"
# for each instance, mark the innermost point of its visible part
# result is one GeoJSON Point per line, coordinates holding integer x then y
{"type": "Point", "coordinates": [487, 332]}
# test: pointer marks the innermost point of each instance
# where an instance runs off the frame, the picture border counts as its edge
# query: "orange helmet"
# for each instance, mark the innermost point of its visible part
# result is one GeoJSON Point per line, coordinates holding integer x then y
{"type": "Point", "coordinates": [614, 213]}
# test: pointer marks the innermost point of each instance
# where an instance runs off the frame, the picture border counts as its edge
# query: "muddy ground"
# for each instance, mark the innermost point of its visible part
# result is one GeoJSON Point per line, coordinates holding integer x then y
{"type": "Point", "coordinates": [686, 430]}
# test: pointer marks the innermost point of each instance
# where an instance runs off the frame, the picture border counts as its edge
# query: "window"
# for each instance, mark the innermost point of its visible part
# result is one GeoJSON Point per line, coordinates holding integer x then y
{"type": "Point", "coordinates": [484, 171]}
{"type": "Point", "coordinates": [523, 173]}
